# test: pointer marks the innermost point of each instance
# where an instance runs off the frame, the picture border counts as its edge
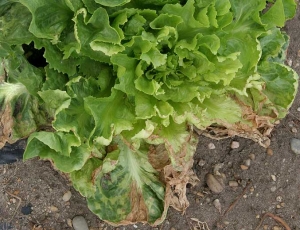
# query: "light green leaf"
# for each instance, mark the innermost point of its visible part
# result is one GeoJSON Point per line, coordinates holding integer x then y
{"type": "Point", "coordinates": [46, 147]}
{"type": "Point", "coordinates": [112, 115]}
{"type": "Point", "coordinates": [275, 16]}
{"type": "Point", "coordinates": [125, 67]}
{"type": "Point", "coordinates": [112, 3]}
{"type": "Point", "coordinates": [83, 179]}
{"type": "Point", "coordinates": [281, 83]}
{"type": "Point", "coordinates": [55, 100]}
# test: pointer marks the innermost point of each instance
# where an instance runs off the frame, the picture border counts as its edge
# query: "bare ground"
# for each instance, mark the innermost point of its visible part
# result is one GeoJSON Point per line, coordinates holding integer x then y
{"type": "Point", "coordinates": [268, 192]}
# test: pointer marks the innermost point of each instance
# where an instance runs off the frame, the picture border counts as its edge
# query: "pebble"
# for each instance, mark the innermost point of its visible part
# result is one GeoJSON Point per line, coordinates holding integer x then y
{"type": "Point", "coordinates": [270, 152]}
{"type": "Point", "coordinates": [290, 62]}
{"type": "Point", "coordinates": [294, 130]}
{"type": "Point", "coordinates": [235, 145]}
{"type": "Point", "coordinates": [53, 208]}
{"type": "Point", "coordinates": [277, 228]}
{"type": "Point", "coordinates": [298, 109]}
{"type": "Point", "coordinates": [211, 146]}
{"type": "Point", "coordinates": [266, 227]}
{"type": "Point", "coordinates": [226, 222]}
{"type": "Point", "coordinates": [279, 198]}
{"type": "Point", "coordinates": [244, 167]}
{"type": "Point", "coordinates": [67, 196]}
{"type": "Point", "coordinates": [201, 163]}
{"type": "Point", "coordinates": [217, 205]}
{"type": "Point", "coordinates": [273, 177]}
{"type": "Point", "coordinates": [247, 162]}
{"type": "Point", "coordinates": [215, 183]}
{"type": "Point", "coordinates": [273, 188]}
{"type": "Point", "coordinates": [69, 223]}
{"type": "Point", "coordinates": [252, 156]}
{"type": "Point", "coordinates": [278, 206]}
{"type": "Point", "coordinates": [233, 184]}
{"type": "Point", "coordinates": [79, 223]}
{"type": "Point", "coordinates": [295, 146]}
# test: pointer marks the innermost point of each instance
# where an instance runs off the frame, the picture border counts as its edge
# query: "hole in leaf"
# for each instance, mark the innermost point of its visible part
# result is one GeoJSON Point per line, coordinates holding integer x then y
{"type": "Point", "coordinates": [34, 56]}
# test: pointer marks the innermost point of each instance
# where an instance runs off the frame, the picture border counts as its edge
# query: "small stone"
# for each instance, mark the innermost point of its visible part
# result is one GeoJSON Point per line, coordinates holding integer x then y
{"type": "Point", "coordinates": [201, 163]}
{"type": "Point", "coordinates": [282, 204]}
{"type": "Point", "coordinates": [266, 227]}
{"type": "Point", "coordinates": [290, 62]}
{"type": "Point", "coordinates": [294, 130]}
{"type": "Point", "coordinates": [257, 216]}
{"type": "Point", "coordinates": [273, 177]}
{"type": "Point", "coordinates": [69, 223]}
{"type": "Point", "coordinates": [295, 146]}
{"type": "Point", "coordinates": [252, 156]}
{"type": "Point", "coordinates": [273, 188]}
{"type": "Point", "coordinates": [200, 194]}
{"type": "Point", "coordinates": [248, 162]}
{"type": "Point", "coordinates": [79, 223]}
{"type": "Point", "coordinates": [53, 208]}
{"type": "Point", "coordinates": [233, 184]}
{"type": "Point", "coordinates": [245, 196]}
{"type": "Point", "coordinates": [252, 189]}
{"type": "Point", "coordinates": [211, 146]}
{"type": "Point", "coordinates": [226, 222]}
{"type": "Point", "coordinates": [277, 228]}
{"type": "Point", "coordinates": [270, 152]}
{"type": "Point", "coordinates": [298, 109]}
{"type": "Point", "coordinates": [279, 198]}
{"type": "Point", "coordinates": [173, 228]}
{"type": "Point", "coordinates": [215, 183]}
{"type": "Point", "coordinates": [217, 205]}
{"type": "Point", "coordinates": [67, 196]}
{"type": "Point", "coordinates": [244, 167]}
{"type": "Point", "coordinates": [235, 145]}
{"type": "Point", "coordinates": [278, 206]}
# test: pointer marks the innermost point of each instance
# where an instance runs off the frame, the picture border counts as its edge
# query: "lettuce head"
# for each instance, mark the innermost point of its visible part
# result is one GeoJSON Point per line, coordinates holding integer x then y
{"type": "Point", "coordinates": [126, 82]}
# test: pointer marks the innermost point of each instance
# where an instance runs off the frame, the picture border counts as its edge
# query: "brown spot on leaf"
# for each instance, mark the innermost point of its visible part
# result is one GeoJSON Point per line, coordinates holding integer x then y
{"type": "Point", "coordinates": [158, 157]}
{"type": "Point", "coordinates": [258, 128]}
{"type": "Point", "coordinates": [6, 125]}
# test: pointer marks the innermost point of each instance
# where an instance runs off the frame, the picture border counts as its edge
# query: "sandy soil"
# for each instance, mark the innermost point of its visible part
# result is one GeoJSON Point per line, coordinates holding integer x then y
{"type": "Point", "coordinates": [270, 186]}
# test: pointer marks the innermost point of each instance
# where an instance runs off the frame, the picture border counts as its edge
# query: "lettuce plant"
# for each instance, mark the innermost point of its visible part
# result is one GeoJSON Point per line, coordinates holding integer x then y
{"type": "Point", "coordinates": [126, 82]}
